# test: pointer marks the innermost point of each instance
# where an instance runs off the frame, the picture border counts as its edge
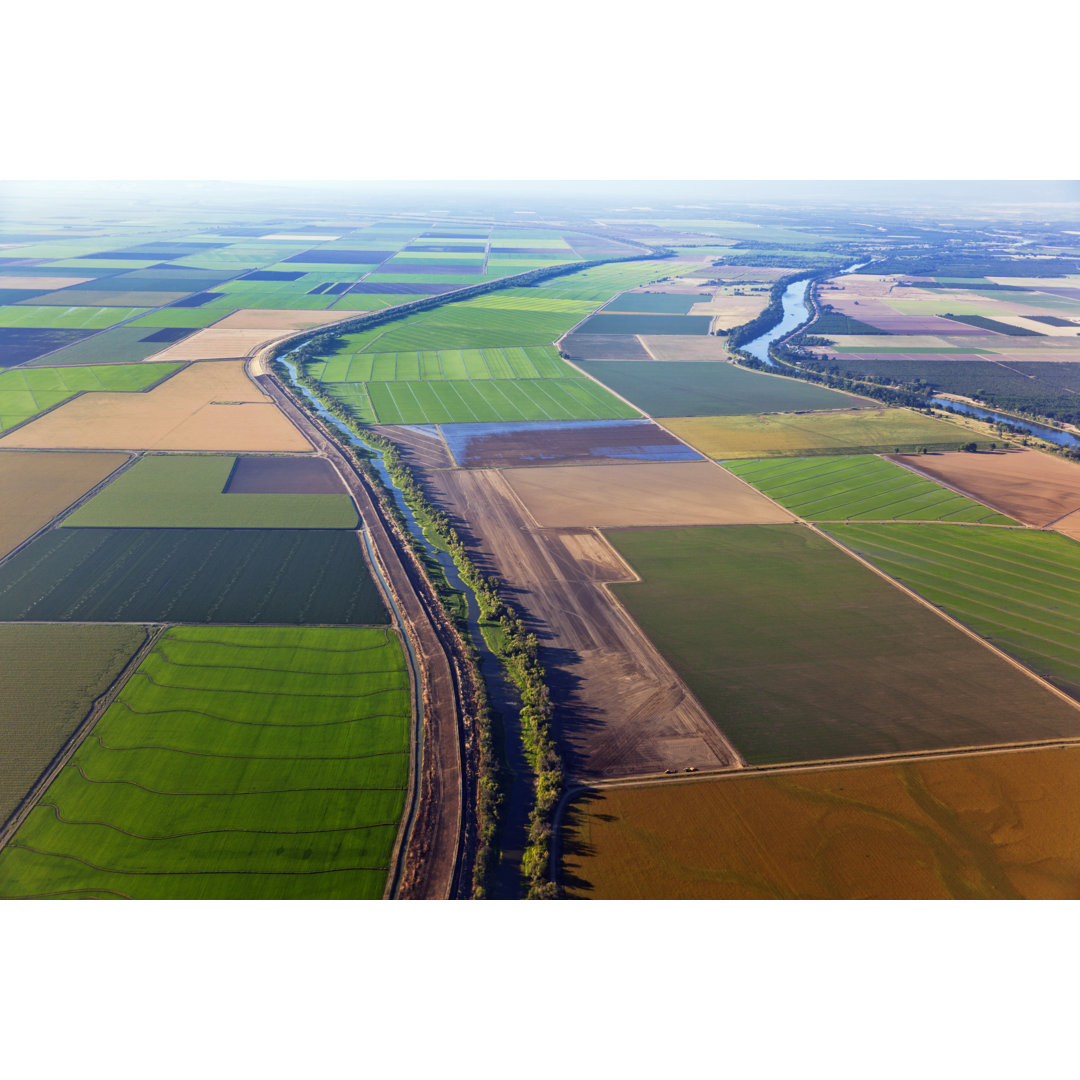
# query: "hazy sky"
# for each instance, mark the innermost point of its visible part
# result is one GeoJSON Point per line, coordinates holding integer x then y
{"type": "Point", "coordinates": [565, 88]}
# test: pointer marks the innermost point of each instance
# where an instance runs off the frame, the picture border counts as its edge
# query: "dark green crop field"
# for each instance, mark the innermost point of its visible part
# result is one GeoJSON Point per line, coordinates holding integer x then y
{"type": "Point", "coordinates": [799, 653]}
{"type": "Point", "coordinates": [191, 575]}
{"type": "Point", "coordinates": [691, 388]}
{"type": "Point", "coordinates": [860, 486]}
{"type": "Point", "coordinates": [625, 323]}
{"type": "Point", "coordinates": [52, 675]}
{"type": "Point", "coordinates": [1019, 588]}
{"type": "Point", "coordinates": [665, 303]}
{"type": "Point", "coordinates": [237, 763]}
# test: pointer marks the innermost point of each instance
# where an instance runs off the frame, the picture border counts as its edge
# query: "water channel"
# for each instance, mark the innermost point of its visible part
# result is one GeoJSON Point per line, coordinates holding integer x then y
{"type": "Point", "coordinates": [503, 695]}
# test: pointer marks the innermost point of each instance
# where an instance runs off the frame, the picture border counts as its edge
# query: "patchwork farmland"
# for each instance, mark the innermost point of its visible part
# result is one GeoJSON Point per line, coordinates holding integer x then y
{"type": "Point", "coordinates": [173, 511]}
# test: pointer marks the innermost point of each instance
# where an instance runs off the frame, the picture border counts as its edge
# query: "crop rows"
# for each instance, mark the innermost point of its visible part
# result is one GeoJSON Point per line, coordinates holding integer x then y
{"type": "Point", "coordinates": [236, 763]}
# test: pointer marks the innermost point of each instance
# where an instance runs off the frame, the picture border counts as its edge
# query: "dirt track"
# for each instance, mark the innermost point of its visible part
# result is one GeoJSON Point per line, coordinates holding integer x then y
{"type": "Point", "coordinates": [442, 838]}
{"type": "Point", "coordinates": [621, 710]}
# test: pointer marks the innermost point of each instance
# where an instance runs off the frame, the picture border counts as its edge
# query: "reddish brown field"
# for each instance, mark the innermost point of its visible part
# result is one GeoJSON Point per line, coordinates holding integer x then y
{"type": "Point", "coordinates": [212, 406]}
{"type": "Point", "coordinates": [990, 826]}
{"type": "Point", "coordinates": [1030, 486]}
{"type": "Point", "coordinates": [621, 709]}
{"type": "Point", "coordinates": [647, 493]}
{"type": "Point", "coordinates": [36, 485]}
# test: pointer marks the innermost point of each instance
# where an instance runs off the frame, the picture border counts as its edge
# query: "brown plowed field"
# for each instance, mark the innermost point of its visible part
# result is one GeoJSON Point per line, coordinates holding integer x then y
{"type": "Point", "coordinates": [35, 486]}
{"type": "Point", "coordinates": [419, 447]}
{"type": "Point", "coordinates": [278, 319]}
{"type": "Point", "coordinates": [215, 344]}
{"type": "Point", "coordinates": [729, 311]}
{"type": "Point", "coordinates": [1030, 486]}
{"type": "Point", "coordinates": [647, 493]}
{"type": "Point", "coordinates": [603, 347]}
{"type": "Point", "coordinates": [988, 826]}
{"type": "Point", "coordinates": [284, 476]}
{"type": "Point", "coordinates": [620, 708]}
{"type": "Point", "coordinates": [211, 406]}
{"type": "Point", "coordinates": [685, 347]}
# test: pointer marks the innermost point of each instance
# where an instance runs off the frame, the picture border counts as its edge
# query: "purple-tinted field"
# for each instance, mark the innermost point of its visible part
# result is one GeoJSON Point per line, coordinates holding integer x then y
{"type": "Point", "coordinates": [576, 441]}
{"type": "Point", "coordinates": [283, 476]}
{"type": "Point", "coordinates": [317, 256]}
{"type": "Point", "coordinates": [20, 343]}
{"type": "Point", "coordinates": [920, 324]}
{"type": "Point", "coordinates": [604, 347]}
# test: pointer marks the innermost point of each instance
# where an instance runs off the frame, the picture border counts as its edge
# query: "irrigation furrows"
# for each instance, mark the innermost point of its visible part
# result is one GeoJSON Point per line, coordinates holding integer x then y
{"type": "Point", "coordinates": [64, 755]}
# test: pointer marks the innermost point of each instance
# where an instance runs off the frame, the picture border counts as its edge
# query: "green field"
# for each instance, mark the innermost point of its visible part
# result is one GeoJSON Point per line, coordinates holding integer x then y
{"type": "Point", "coordinates": [529, 362]}
{"type": "Point", "coordinates": [179, 491]}
{"type": "Point", "coordinates": [237, 763]}
{"type": "Point", "coordinates": [858, 487]}
{"type": "Point", "coordinates": [867, 431]}
{"type": "Point", "coordinates": [480, 401]}
{"type": "Point", "coordinates": [66, 318]}
{"type": "Point", "coordinates": [799, 653]}
{"type": "Point", "coordinates": [696, 388]}
{"type": "Point", "coordinates": [600, 283]}
{"type": "Point", "coordinates": [120, 345]}
{"type": "Point", "coordinates": [1019, 588]}
{"type": "Point", "coordinates": [305, 576]}
{"type": "Point", "coordinates": [52, 675]}
{"type": "Point", "coordinates": [25, 392]}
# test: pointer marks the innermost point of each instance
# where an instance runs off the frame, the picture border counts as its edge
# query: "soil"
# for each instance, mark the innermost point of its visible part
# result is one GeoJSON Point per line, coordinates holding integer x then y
{"type": "Point", "coordinates": [277, 319]}
{"type": "Point", "coordinates": [665, 493]}
{"type": "Point", "coordinates": [421, 447]}
{"type": "Point", "coordinates": [620, 708]}
{"type": "Point", "coordinates": [1029, 485]}
{"type": "Point", "coordinates": [214, 343]}
{"type": "Point", "coordinates": [283, 476]}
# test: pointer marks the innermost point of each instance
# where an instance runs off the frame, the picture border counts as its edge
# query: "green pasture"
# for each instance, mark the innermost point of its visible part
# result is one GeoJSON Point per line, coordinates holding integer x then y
{"type": "Point", "coordinates": [26, 391]}
{"type": "Point", "coordinates": [480, 401]}
{"type": "Point", "coordinates": [799, 653]}
{"type": "Point", "coordinates": [180, 491]}
{"type": "Point", "coordinates": [859, 487]}
{"type": "Point", "coordinates": [66, 318]}
{"type": "Point", "coordinates": [1019, 588]}
{"type": "Point", "coordinates": [237, 763]}
{"type": "Point", "coordinates": [528, 362]}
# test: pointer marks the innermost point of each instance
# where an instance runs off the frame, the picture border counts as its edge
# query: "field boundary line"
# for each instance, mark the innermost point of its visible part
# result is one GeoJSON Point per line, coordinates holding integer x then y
{"type": "Point", "coordinates": [97, 710]}
{"type": "Point", "coordinates": [896, 583]}
{"type": "Point", "coordinates": [961, 491]}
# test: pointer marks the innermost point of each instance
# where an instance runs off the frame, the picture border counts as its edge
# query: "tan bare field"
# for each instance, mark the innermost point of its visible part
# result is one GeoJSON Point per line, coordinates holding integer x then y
{"type": "Point", "coordinates": [987, 826]}
{"type": "Point", "coordinates": [35, 486]}
{"type": "Point", "coordinates": [641, 493]}
{"type": "Point", "coordinates": [729, 311]}
{"type": "Point", "coordinates": [1030, 486]}
{"type": "Point", "coordinates": [620, 707]}
{"type": "Point", "coordinates": [873, 342]}
{"type": "Point", "coordinates": [421, 448]}
{"type": "Point", "coordinates": [750, 273]}
{"type": "Point", "coordinates": [278, 319]}
{"type": "Point", "coordinates": [211, 406]}
{"type": "Point", "coordinates": [860, 286]}
{"type": "Point", "coordinates": [1068, 281]}
{"type": "Point", "coordinates": [43, 284]}
{"type": "Point", "coordinates": [214, 343]}
{"type": "Point", "coordinates": [685, 347]}
{"type": "Point", "coordinates": [1016, 318]}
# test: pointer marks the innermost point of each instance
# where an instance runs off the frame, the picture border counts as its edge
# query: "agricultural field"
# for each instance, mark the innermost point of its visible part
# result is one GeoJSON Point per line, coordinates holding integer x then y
{"type": "Point", "coordinates": [802, 435]}
{"type": "Point", "coordinates": [530, 362]}
{"type": "Point", "coordinates": [687, 348]}
{"type": "Point", "coordinates": [1033, 487]}
{"type": "Point", "coordinates": [1020, 588]}
{"type": "Point", "coordinates": [237, 763]}
{"type": "Point", "coordinates": [176, 492]}
{"type": "Point", "coordinates": [480, 401]}
{"type": "Point", "coordinates": [620, 708]}
{"type": "Point", "coordinates": [25, 392]}
{"type": "Point", "coordinates": [215, 343]}
{"type": "Point", "coordinates": [52, 676]}
{"type": "Point", "coordinates": [688, 388]}
{"type": "Point", "coordinates": [304, 576]}
{"type": "Point", "coordinates": [581, 441]}
{"type": "Point", "coordinates": [284, 476]}
{"type": "Point", "coordinates": [657, 302]}
{"type": "Point", "coordinates": [19, 345]}
{"type": "Point", "coordinates": [642, 493]}
{"type": "Point", "coordinates": [860, 487]}
{"type": "Point", "coordinates": [35, 486]}
{"type": "Point", "coordinates": [625, 323]}
{"type": "Point", "coordinates": [206, 406]}
{"type": "Point", "coordinates": [66, 318]}
{"type": "Point", "coordinates": [969, 827]}
{"type": "Point", "coordinates": [801, 654]}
